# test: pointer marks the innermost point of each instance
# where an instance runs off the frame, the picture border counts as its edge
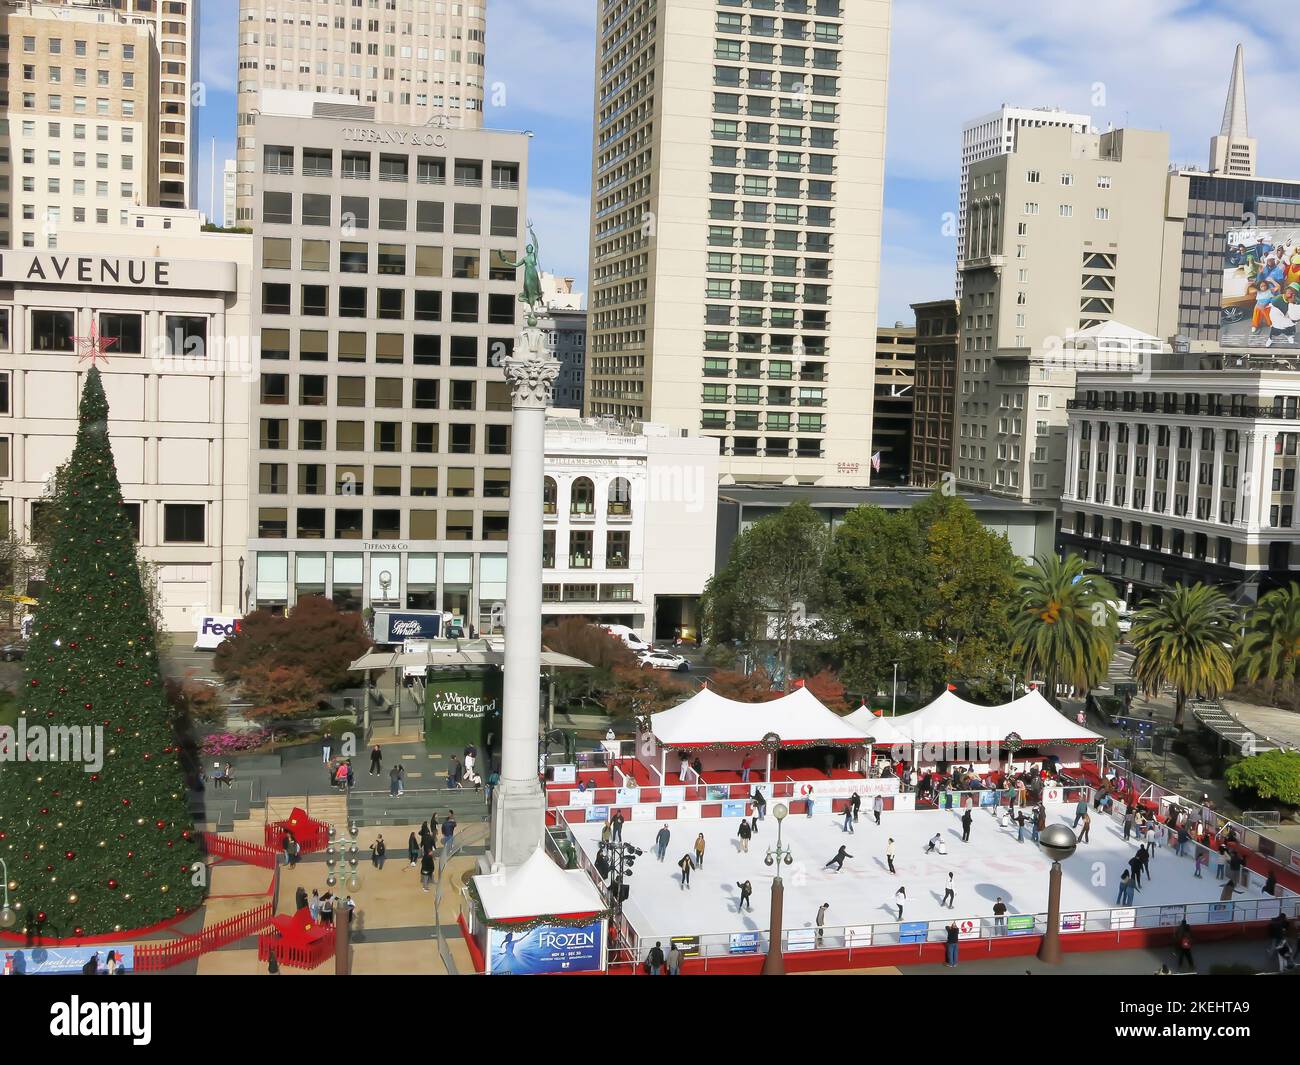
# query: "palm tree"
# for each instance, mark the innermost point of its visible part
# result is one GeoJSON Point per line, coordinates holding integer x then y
{"type": "Point", "coordinates": [1184, 637]}
{"type": "Point", "coordinates": [1270, 647]}
{"type": "Point", "coordinates": [1065, 627]}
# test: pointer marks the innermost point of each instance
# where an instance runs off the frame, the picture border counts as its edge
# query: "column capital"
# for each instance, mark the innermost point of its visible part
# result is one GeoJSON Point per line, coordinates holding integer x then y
{"type": "Point", "coordinates": [532, 371]}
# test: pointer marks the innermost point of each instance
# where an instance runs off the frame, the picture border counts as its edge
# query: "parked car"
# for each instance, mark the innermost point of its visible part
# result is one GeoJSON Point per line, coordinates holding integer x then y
{"type": "Point", "coordinates": [14, 652]}
{"type": "Point", "coordinates": [663, 660]}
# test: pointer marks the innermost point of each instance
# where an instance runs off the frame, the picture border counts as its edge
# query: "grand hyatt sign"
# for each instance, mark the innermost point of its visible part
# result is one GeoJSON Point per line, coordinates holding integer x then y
{"type": "Point", "coordinates": [409, 138]}
{"type": "Point", "coordinates": [115, 271]}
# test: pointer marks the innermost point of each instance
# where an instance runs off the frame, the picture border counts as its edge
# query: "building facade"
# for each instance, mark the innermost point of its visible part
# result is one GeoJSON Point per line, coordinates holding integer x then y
{"type": "Point", "coordinates": [414, 65]}
{"type": "Point", "coordinates": [1182, 468]}
{"type": "Point", "coordinates": [81, 140]}
{"type": "Point", "coordinates": [1066, 233]}
{"type": "Point", "coordinates": [895, 394]}
{"type": "Point", "coordinates": [995, 134]}
{"type": "Point", "coordinates": [737, 183]}
{"type": "Point", "coordinates": [565, 328]}
{"type": "Point", "coordinates": [386, 302]}
{"type": "Point", "coordinates": [935, 402]}
{"type": "Point", "coordinates": [631, 514]}
{"type": "Point", "coordinates": [173, 308]}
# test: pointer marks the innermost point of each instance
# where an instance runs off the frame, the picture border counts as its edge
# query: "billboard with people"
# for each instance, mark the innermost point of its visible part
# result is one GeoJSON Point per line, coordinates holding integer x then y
{"type": "Point", "coordinates": [1261, 288]}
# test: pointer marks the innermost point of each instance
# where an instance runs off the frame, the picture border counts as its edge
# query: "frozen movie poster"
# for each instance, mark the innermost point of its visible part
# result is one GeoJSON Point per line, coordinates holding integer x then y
{"type": "Point", "coordinates": [546, 949]}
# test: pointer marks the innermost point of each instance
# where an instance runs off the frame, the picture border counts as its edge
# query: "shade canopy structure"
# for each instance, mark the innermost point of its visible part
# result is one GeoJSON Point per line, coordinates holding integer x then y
{"type": "Point", "coordinates": [455, 654]}
{"type": "Point", "coordinates": [882, 730]}
{"type": "Point", "coordinates": [1031, 718]}
{"type": "Point", "coordinates": [537, 888]}
{"type": "Point", "coordinates": [708, 719]}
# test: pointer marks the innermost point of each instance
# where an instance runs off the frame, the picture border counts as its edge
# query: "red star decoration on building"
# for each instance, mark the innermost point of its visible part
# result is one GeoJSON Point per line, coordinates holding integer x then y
{"type": "Point", "coordinates": [93, 346]}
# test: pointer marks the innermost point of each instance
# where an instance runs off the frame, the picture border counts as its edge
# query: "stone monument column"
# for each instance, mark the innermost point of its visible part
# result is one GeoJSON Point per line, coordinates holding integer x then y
{"type": "Point", "coordinates": [519, 804]}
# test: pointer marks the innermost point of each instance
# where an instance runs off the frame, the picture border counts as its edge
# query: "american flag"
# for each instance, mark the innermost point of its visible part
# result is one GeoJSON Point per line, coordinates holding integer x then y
{"type": "Point", "coordinates": [875, 462]}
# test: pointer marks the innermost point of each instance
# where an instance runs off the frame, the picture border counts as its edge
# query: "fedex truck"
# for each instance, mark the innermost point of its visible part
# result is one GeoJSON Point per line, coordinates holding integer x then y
{"type": "Point", "coordinates": [214, 629]}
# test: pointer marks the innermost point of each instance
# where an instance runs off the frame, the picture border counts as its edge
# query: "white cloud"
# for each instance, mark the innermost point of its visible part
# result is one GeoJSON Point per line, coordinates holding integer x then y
{"type": "Point", "coordinates": [543, 55]}
{"type": "Point", "coordinates": [562, 220]}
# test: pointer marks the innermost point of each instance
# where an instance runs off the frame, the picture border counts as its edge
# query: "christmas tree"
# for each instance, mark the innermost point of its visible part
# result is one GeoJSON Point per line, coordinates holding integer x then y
{"type": "Point", "coordinates": [94, 848]}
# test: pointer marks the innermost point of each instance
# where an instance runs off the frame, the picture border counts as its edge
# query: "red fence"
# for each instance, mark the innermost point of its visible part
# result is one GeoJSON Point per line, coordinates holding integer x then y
{"type": "Point", "coordinates": [311, 835]}
{"type": "Point", "coordinates": [241, 851]}
{"type": "Point", "coordinates": [154, 957]}
{"type": "Point", "coordinates": [308, 957]}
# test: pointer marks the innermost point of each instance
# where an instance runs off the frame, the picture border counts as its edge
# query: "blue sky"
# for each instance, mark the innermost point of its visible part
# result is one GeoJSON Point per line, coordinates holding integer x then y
{"type": "Point", "coordinates": [1155, 64]}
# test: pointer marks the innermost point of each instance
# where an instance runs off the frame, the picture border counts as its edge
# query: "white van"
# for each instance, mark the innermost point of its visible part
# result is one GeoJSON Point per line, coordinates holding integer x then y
{"type": "Point", "coordinates": [629, 638]}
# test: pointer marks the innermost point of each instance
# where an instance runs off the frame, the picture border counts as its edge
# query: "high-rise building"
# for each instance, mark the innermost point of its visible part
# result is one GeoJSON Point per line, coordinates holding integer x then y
{"type": "Point", "coordinates": [737, 183]}
{"type": "Point", "coordinates": [81, 132]}
{"type": "Point", "coordinates": [1182, 468]}
{"type": "Point", "coordinates": [564, 325]}
{"type": "Point", "coordinates": [1067, 232]}
{"type": "Point", "coordinates": [891, 418]}
{"type": "Point", "coordinates": [997, 133]}
{"type": "Point", "coordinates": [228, 178]}
{"type": "Point", "coordinates": [168, 311]}
{"type": "Point", "coordinates": [386, 301]}
{"type": "Point", "coordinates": [935, 393]}
{"type": "Point", "coordinates": [1232, 151]}
{"type": "Point", "coordinates": [413, 66]}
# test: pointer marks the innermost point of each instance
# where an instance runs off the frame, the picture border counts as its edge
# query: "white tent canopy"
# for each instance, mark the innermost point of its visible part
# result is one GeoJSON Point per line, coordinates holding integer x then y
{"type": "Point", "coordinates": [707, 718]}
{"type": "Point", "coordinates": [538, 887]}
{"type": "Point", "coordinates": [951, 719]}
{"type": "Point", "coordinates": [880, 729]}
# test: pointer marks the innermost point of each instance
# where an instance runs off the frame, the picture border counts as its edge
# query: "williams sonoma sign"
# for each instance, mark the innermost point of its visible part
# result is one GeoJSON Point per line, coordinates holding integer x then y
{"type": "Point", "coordinates": [115, 271]}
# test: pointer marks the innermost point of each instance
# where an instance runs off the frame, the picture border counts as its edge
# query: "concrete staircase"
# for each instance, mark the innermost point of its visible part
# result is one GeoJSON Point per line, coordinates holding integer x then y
{"type": "Point", "coordinates": [216, 809]}
{"type": "Point", "coordinates": [415, 806]}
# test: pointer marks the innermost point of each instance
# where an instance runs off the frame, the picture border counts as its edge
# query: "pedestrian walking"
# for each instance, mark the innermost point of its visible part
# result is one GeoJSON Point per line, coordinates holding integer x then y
{"type": "Point", "coordinates": [376, 760]}
{"type": "Point", "coordinates": [1183, 837]}
{"type": "Point", "coordinates": [744, 832]}
{"type": "Point", "coordinates": [1183, 940]}
{"type": "Point", "coordinates": [878, 807]}
{"type": "Point", "coordinates": [1220, 861]}
{"type": "Point", "coordinates": [1144, 856]}
{"type": "Point", "coordinates": [950, 947]}
{"type": "Point", "coordinates": [949, 895]}
{"type": "Point", "coordinates": [351, 777]}
{"type": "Point", "coordinates": [1040, 820]}
{"type": "Point", "coordinates": [900, 897]}
{"type": "Point", "coordinates": [1080, 811]}
{"type": "Point", "coordinates": [1202, 860]}
{"type": "Point", "coordinates": [1020, 825]}
{"type": "Point", "coordinates": [654, 961]}
{"type": "Point", "coordinates": [820, 921]}
{"type": "Point", "coordinates": [1135, 867]}
{"type": "Point", "coordinates": [1087, 826]}
{"type": "Point", "coordinates": [413, 850]}
{"type": "Point", "coordinates": [699, 851]}
{"type": "Point", "coordinates": [855, 800]}
{"type": "Point", "coordinates": [889, 856]}
{"type": "Point", "coordinates": [965, 826]}
{"type": "Point", "coordinates": [999, 917]}
{"type": "Point", "coordinates": [674, 960]}
{"type": "Point", "coordinates": [686, 865]}
{"type": "Point", "coordinates": [395, 781]}
{"type": "Point", "coordinates": [746, 765]}
{"type": "Point", "coordinates": [760, 804]}
{"type": "Point", "coordinates": [616, 823]}
{"type": "Point", "coordinates": [661, 842]}
{"type": "Point", "coordinates": [1125, 896]}
{"type": "Point", "coordinates": [377, 851]}
{"type": "Point", "coordinates": [848, 818]}
{"type": "Point", "coordinates": [838, 860]}
{"type": "Point", "coordinates": [746, 893]}
{"type": "Point", "coordinates": [448, 829]}
{"type": "Point", "coordinates": [1236, 867]}
{"type": "Point", "coordinates": [326, 747]}
{"type": "Point", "coordinates": [808, 801]}
{"type": "Point", "coordinates": [426, 871]}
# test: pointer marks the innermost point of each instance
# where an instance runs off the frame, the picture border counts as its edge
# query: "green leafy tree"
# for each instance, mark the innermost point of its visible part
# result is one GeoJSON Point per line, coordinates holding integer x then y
{"type": "Point", "coordinates": [1065, 627]}
{"type": "Point", "coordinates": [1270, 647]}
{"type": "Point", "coordinates": [968, 590]}
{"type": "Point", "coordinates": [775, 569]}
{"type": "Point", "coordinates": [1184, 637]}
{"type": "Point", "coordinates": [1271, 775]}
{"type": "Point", "coordinates": [875, 580]}
{"type": "Point", "coordinates": [90, 853]}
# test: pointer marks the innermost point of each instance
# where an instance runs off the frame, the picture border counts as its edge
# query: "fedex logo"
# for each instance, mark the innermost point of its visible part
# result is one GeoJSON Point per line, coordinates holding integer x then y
{"type": "Point", "coordinates": [215, 628]}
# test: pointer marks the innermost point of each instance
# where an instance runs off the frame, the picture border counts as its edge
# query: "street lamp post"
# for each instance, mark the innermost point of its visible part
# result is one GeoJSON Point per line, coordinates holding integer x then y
{"type": "Point", "coordinates": [243, 603]}
{"type": "Point", "coordinates": [893, 710]}
{"type": "Point", "coordinates": [1058, 843]}
{"type": "Point", "coordinates": [774, 963]}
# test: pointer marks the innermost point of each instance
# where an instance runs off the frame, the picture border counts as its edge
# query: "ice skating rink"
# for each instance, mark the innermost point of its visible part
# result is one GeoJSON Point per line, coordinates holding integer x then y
{"type": "Point", "coordinates": [992, 864]}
